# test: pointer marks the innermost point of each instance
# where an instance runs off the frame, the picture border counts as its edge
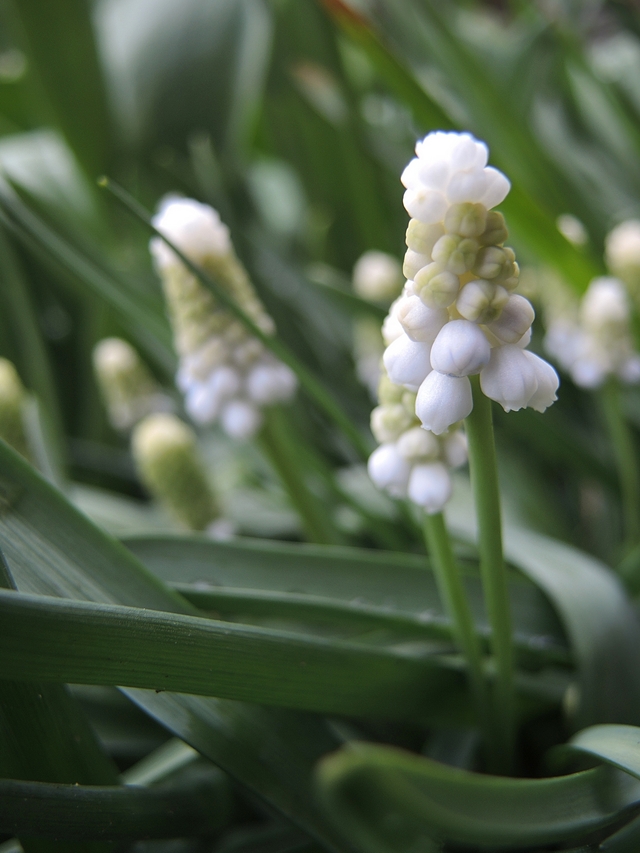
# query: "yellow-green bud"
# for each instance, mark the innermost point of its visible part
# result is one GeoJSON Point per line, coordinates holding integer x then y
{"type": "Point", "coordinates": [388, 422]}
{"type": "Point", "coordinates": [12, 396]}
{"type": "Point", "coordinates": [167, 458]}
{"type": "Point", "coordinates": [128, 389]}
{"type": "Point", "coordinates": [413, 262]}
{"type": "Point", "coordinates": [421, 238]}
{"type": "Point", "coordinates": [437, 288]}
{"type": "Point", "coordinates": [481, 301]}
{"type": "Point", "coordinates": [466, 219]}
{"type": "Point", "coordinates": [495, 232]}
{"type": "Point", "coordinates": [495, 262]}
{"type": "Point", "coordinates": [455, 254]}
{"type": "Point", "coordinates": [389, 392]}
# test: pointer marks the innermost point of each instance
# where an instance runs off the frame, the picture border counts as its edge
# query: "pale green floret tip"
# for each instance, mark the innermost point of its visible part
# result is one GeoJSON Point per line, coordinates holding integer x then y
{"type": "Point", "coordinates": [495, 232]}
{"type": "Point", "coordinates": [455, 253]}
{"type": "Point", "coordinates": [167, 458]}
{"type": "Point", "coordinates": [12, 398]}
{"type": "Point", "coordinates": [481, 301]}
{"type": "Point", "coordinates": [466, 219]}
{"type": "Point", "coordinates": [436, 287]}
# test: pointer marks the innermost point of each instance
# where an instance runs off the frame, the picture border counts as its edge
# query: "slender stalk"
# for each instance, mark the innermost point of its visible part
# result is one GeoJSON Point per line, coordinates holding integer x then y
{"type": "Point", "coordinates": [626, 459]}
{"type": "Point", "coordinates": [484, 479]}
{"type": "Point", "coordinates": [279, 444]}
{"type": "Point", "coordinates": [453, 594]}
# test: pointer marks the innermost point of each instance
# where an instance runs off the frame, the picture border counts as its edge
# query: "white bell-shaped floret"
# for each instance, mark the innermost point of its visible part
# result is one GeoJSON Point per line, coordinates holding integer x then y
{"type": "Point", "coordinates": [430, 486]}
{"type": "Point", "coordinates": [270, 383]}
{"type": "Point", "coordinates": [589, 371]}
{"type": "Point", "coordinates": [442, 401]}
{"type": "Point", "coordinates": [407, 362]}
{"type": "Point", "coordinates": [195, 229]}
{"type": "Point", "coordinates": [498, 187]}
{"type": "Point", "coordinates": [424, 204]}
{"type": "Point", "coordinates": [418, 443]}
{"type": "Point", "coordinates": [455, 449]}
{"type": "Point", "coordinates": [548, 382]}
{"type": "Point", "coordinates": [391, 328]}
{"type": "Point", "coordinates": [201, 405]}
{"type": "Point", "coordinates": [509, 378]}
{"type": "Point", "coordinates": [389, 470]}
{"type": "Point", "coordinates": [515, 319]}
{"type": "Point", "coordinates": [419, 322]}
{"type": "Point", "coordinates": [240, 419]}
{"type": "Point", "coordinates": [461, 349]}
{"type": "Point", "coordinates": [468, 186]}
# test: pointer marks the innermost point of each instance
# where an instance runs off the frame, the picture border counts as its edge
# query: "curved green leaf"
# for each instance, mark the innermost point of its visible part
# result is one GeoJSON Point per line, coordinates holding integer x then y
{"type": "Point", "coordinates": [52, 549]}
{"type": "Point", "coordinates": [110, 813]}
{"type": "Point", "coordinates": [276, 577]}
{"type": "Point", "coordinates": [46, 639]}
{"type": "Point", "coordinates": [388, 800]}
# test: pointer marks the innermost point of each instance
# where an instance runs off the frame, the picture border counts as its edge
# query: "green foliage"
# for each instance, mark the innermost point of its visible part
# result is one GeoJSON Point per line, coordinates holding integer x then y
{"type": "Point", "coordinates": [315, 675]}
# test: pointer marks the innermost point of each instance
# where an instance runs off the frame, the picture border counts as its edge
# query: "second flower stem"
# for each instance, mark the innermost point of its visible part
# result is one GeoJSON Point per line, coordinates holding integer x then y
{"type": "Point", "coordinates": [484, 479]}
{"type": "Point", "coordinates": [456, 604]}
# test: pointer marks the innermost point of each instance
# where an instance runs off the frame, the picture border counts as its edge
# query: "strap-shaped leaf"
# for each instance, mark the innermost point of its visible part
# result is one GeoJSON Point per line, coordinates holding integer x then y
{"type": "Point", "coordinates": [388, 800]}
{"type": "Point", "coordinates": [52, 549]}
{"type": "Point", "coordinates": [110, 813]}
{"type": "Point", "coordinates": [71, 641]}
{"type": "Point", "coordinates": [349, 586]}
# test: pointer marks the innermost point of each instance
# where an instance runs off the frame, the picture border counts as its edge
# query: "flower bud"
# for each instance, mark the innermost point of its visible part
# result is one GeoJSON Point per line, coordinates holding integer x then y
{"type": "Point", "coordinates": [481, 301]}
{"type": "Point", "coordinates": [418, 443]}
{"type": "Point", "coordinates": [429, 206]}
{"type": "Point", "coordinates": [419, 322]}
{"type": "Point", "coordinates": [442, 401]}
{"type": "Point", "coordinates": [391, 328]}
{"type": "Point", "coordinates": [12, 399]}
{"type": "Point", "coordinates": [240, 419]}
{"type": "Point", "coordinates": [455, 254]}
{"type": "Point", "coordinates": [195, 229]}
{"type": "Point", "coordinates": [436, 287]}
{"type": "Point", "coordinates": [510, 378]}
{"type": "Point", "coordinates": [129, 390]}
{"type": "Point", "coordinates": [494, 262]}
{"type": "Point", "coordinates": [388, 392]}
{"type": "Point", "coordinates": [548, 382]}
{"type": "Point", "coordinates": [407, 362]}
{"type": "Point", "coordinates": [414, 262]}
{"type": "Point", "coordinates": [466, 220]}
{"type": "Point", "coordinates": [461, 349]}
{"type": "Point", "coordinates": [495, 232]}
{"type": "Point", "coordinates": [389, 422]}
{"type": "Point", "coordinates": [421, 238]}
{"type": "Point", "coordinates": [497, 189]}
{"type": "Point", "coordinates": [515, 319]}
{"type": "Point", "coordinates": [605, 306]}
{"type": "Point", "coordinates": [455, 449]}
{"type": "Point", "coordinates": [623, 251]}
{"type": "Point", "coordinates": [204, 400]}
{"type": "Point", "coordinates": [430, 486]}
{"type": "Point", "coordinates": [389, 470]}
{"type": "Point", "coordinates": [377, 276]}
{"type": "Point", "coordinates": [468, 186]}
{"type": "Point", "coordinates": [166, 455]}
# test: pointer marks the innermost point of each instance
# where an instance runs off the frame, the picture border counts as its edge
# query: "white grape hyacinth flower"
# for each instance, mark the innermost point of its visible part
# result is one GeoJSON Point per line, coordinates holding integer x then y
{"type": "Point", "coordinates": [592, 339]}
{"type": "Point", "coordinates": [458, 315]}
{"type": "Point", "coordinates": [226, 375]}
{"type": "Point", "coordinates": [411, 461]}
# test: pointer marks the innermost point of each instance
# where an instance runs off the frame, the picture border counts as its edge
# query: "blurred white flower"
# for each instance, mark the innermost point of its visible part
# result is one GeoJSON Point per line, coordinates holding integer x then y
{"type": "Point", "coordinates": [378, 276]}
{"type": "Point", "coordinates": [225, 374]}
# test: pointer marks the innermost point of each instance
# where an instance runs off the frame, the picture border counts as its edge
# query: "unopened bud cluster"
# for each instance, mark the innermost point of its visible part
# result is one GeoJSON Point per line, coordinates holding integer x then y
{"type": "Point", "coordinates": [166, 456]}
{"type": "Point", "coordinates": [225, 373]}
{"type": "Point", "coordinates": [411, 461]}
{"type": "Point", "coordinates": [591, 339]}
{"type": "Point", "coordinates": [128, 389]}
{"type": "Point", "coordinates": [458, 314]}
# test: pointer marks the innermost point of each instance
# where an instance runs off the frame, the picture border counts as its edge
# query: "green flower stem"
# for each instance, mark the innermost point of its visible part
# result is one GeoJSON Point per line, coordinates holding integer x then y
{"type": "Point", "coordinates": [484, 479]}
{"type": "Point", "coordinates": [279, 444]}
{"type": "Point", "coordinates": [453, 594]}
{"type": "Point", "coordinates": [626, 459]}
